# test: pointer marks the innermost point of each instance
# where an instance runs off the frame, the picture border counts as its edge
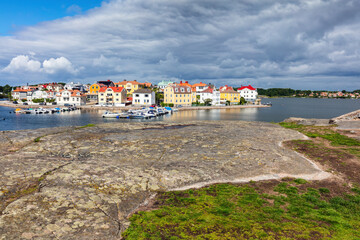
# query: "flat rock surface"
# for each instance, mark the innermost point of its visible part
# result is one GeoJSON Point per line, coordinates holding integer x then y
{"type": "Point", "coordinates": [90, 179]}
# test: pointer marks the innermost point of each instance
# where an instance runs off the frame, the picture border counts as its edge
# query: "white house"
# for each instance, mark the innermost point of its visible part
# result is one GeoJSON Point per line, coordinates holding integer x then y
{"type": "Point", "coordinates": [143, 97]}
{"type": "Point", "coordinates": [73, 97]}
{"type": "Point", "coordinates": [210, 93]}
{"type": "Point", "coordinates": [54, 87]}
{"type": "Point", "coordinates": [248, 92]}
{"type": "Point", "coordinates": [74, 86]}
{"type": "Point", "coordinates": [40, 94]}
{"type": "Point", "coordinates": [20, 93]}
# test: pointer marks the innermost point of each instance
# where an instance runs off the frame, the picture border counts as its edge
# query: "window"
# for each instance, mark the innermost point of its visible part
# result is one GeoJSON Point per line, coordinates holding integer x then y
{"type": "Point", "coordinates": [182, 89]}
{"type": "Point", "coordinates": [180, 100]}
{"type": "Point", "coordinates": [102, 94]}
{"type": "Point", "coordinates": [146, 95]}
{"type": "Point", "coordinates": [101, 99]}
{"type": "Point", "coordinates": [117, 94]}
{"type": "Point", "coordinates": [117, 99]}
{"type": "Point", "coordinates": [176, 89]}
{"type": "Point", "coordinates": [136, 95]}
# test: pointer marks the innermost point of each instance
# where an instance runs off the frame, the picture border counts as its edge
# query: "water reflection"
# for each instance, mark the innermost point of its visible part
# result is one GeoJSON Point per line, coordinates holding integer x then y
{"type": "Point", "coordinates": [281, 109]}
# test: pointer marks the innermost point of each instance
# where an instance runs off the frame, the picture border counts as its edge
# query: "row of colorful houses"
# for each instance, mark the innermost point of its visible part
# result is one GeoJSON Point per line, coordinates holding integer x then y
{"type": "Point", "coordinates": [134, 92]}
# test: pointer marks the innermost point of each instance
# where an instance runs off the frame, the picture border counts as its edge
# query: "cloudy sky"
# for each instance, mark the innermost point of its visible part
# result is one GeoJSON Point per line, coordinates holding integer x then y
{"type": "Point", "coordinates": [302, 44]}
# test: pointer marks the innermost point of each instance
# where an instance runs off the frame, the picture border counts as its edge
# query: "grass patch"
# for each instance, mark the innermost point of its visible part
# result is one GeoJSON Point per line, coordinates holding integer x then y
{"type": "Point", "coordinates": [226, 211]}
{"type": "Point", "coordinates": [37, 139]}
{"type": "Point", "coordinates": [327, 133]}
{"type": "Point", "coordinates": [86, 126]}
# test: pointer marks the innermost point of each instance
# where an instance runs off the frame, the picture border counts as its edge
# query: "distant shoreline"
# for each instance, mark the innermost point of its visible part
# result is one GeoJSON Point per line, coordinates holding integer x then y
{"type": "Point", "coordinates": [113, 108]}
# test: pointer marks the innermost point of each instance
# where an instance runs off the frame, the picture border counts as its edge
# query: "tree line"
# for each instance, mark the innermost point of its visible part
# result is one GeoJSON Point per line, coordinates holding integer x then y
{"type": "Point", "coordinates": [5, 91]}
{"type": "Point", "coordinates": [286, 92]}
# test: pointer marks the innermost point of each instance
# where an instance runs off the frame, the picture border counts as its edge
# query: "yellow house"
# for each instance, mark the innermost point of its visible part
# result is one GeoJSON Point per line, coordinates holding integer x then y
{"type": "Point", "coordinates": [229, 94]}
{"type": "Point", "coordinates": [112, 96]}
{"type": "Point", "coordinates": [178, 95]}
{"type": "Point", "coordinates": [130, 86]}
{"type": "Point", "coordinates": [94, 88]}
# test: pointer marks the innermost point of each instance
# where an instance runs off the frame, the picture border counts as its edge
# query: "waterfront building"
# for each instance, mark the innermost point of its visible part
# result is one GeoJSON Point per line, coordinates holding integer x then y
{"type": "Point", "coordinates": [143, 97]}
{"type": "Point", "coordinates": [227, 93]}
{"type": "Point", "coordinates": [92, 94]}
{"type": "Point", "coordinates": [75, 86]}
{"type": "Point", "coordinates": [41, 94]}
{"type": "Point", "coordinates": [20, 93]}
{"type": "Point", "coordinates": [73, 97]}
{"type": "Point", "coordinates": [115, 96]}
{"type": "Point", "coordinates": [55, 87]}
{"type": "Point", "coordinates": [249, 93]}
{"type": "Point", "coordinates": [193, 93]}
{"type": "Point", "coordinates": [163, 84]}
{"type": "Point", "coordinates": [178, 95]}
{"type": "Point", "coordinates": [199, 87]}
{"type": "Point", "coordinates": [132, 86]}
{"type": "Point", "coordinates": [212, 94]}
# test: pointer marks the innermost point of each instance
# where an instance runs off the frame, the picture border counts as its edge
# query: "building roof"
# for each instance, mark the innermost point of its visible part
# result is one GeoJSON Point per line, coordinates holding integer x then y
{"type": "Point", "coordinates": [115, 89]}
{"type": "Point", "coordinates": [107, 83]}
{"type": "Point", "coordinates": [126, 82]}
{"type": "Point", "coordinates": [185, 84]}
{"type": "Point", "coordinates": [165, 82]}
{"type": "Point", "coordinates": [208, 90]}
{"type": "Point", "coordinates": [227, 89]}
{"type": "Point", "coordinates": [143, 90]}
{"type": "Point", "coordinates": [178, 89]}
{"type": "Point", "coordinates": [199, 84]}
{"type": "Point", "coordinates": [22, 90]}
{"type": "Point", "coordinates": [248, 87]}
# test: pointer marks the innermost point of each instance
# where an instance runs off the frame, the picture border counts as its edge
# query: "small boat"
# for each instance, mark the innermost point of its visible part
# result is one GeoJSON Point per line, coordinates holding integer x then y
{"type": "Point", "coordinates": [150, 113]}
{"type": "Point", "coordinates": [110, 115]}
{"type": "Point", "coordinates": [19, 110]}
{"type": "Point", "coordinates": [168, 109]}
{"type": "Point", "coordinates": [267, 104]}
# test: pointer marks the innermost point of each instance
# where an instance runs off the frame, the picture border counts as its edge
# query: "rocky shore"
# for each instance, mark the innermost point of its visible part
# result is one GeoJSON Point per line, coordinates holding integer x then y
{"type": "Point", "coordinates": [83, 182]}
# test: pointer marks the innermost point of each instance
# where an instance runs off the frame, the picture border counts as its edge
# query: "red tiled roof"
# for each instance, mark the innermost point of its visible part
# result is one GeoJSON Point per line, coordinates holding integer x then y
{"type": "Point", "coordinates": [226, 87]}
{"type": "Point", "coordinates": [248, 87]}
{"type": "Point", "coordinates": [115, 89]}
{"type": "Point", "coordinates": [208, 90]}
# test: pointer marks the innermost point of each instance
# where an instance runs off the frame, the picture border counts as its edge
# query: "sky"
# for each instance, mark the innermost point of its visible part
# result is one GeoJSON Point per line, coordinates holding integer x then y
{"type": "Point", "coordinates": [301, 44]}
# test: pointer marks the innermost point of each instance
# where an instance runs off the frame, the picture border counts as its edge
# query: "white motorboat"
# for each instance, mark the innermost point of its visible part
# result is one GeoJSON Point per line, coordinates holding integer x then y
{"type": "Point", "coordinates": [110, 115]}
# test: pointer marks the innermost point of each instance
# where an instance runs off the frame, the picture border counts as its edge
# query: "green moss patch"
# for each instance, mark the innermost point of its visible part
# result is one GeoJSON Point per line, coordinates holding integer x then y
{"type": "Point", "coordinates": [227, 211]}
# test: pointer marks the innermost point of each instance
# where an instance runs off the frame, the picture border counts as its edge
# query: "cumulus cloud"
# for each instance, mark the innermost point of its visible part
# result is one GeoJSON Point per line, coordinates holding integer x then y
{"type": "Point", "coordinates": [271, 43]}
{"type": "Point", "coordinates": [53, 65]}
{"type": "Point", "coordinates": [23, 63]}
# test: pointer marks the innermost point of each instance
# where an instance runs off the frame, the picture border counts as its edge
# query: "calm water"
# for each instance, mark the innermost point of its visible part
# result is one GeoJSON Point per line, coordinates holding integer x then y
{"type": "Point", "coordinates": [282, 108]}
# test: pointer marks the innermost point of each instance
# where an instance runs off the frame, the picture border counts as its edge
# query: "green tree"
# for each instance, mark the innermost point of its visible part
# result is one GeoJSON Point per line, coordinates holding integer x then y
{"type": "Point", "coordinates": [207, 102]}
{"type": "Point", "coordinates": [242, 101]}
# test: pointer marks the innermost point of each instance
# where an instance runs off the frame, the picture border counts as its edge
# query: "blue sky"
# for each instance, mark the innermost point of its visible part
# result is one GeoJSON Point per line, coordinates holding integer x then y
{"type": "Point", "coordinates": [16, 14]}
{"type": "Point", "coordinates": [301, 44]}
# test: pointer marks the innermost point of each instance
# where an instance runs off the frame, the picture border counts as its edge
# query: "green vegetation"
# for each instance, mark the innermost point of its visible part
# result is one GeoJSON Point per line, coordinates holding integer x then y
{"type": "Point", "coordinates": [288, 92]}
{"type": "Point", "coordinates": [167, 104]}
{"type": "Point", "coordinates": [87, 125]}
{"type": "Point", "coordinates": [37, 139]}
{"type": "Point", "coordinates": [226, 211]}
{"type": "Point", "coordinates": [5, 91]}
{"type": "Point", "coordinates": [327, 133]}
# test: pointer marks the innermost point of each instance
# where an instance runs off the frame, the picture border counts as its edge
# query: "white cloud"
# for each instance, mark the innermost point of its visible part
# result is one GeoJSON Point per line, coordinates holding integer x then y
{"type": "Point", "coordinates": [60, 64]}
{"type": "Point", "coordinates": [23, 63]}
